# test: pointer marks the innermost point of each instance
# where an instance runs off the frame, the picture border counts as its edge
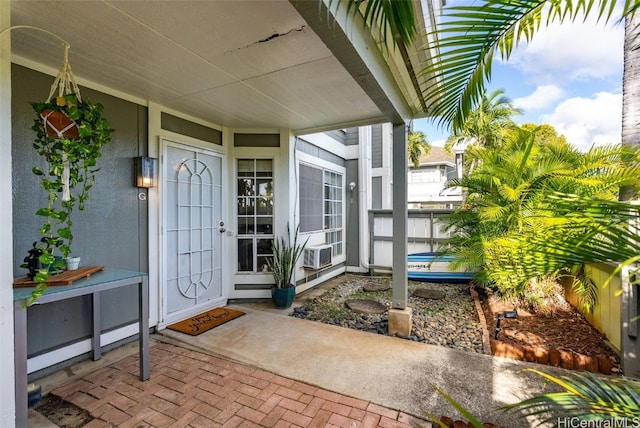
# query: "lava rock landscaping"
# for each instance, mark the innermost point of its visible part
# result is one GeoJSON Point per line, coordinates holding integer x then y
{"type": "Point", "coordinates": [446, 316]}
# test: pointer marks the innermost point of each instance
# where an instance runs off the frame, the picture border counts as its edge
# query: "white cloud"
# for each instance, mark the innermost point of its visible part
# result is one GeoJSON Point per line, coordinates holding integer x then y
{"type": "Point", "coordinates": [543, 97]}
{"type": "Point", "coordinates": [587, 121]}
{"type": "Point", "coordinates": [570, 51]}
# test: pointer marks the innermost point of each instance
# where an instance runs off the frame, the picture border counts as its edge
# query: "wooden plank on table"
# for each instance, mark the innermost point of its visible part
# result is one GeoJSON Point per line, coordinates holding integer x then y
{"type": "Point", "coordinates": [65, 278]}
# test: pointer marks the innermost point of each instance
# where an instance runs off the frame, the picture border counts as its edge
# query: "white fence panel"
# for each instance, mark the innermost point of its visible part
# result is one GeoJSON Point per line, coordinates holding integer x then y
{"type": "Point", "coordinates": [425, 230]}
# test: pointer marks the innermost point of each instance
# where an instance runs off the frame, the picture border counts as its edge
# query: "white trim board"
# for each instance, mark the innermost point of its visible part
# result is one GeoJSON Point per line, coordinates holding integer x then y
{"type": "Point", "coordinates": [63, 354]}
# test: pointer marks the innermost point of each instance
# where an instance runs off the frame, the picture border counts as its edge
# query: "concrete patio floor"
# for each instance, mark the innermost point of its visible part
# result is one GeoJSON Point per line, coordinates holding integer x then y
{"type": "Point", "coordinates": [266, 369]}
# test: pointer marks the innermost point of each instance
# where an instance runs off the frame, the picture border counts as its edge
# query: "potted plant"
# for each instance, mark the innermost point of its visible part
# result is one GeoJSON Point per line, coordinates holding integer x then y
{"type": "Point", "coordinates": [283, 266]}
{"type": "Point", "coordinates": [70, 134]}
{"type": "Point", "coordinates": [32, 261]}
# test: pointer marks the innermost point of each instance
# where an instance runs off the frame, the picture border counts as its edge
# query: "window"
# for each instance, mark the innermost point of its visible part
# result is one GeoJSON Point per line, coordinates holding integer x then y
{"type": "Point", "coordinates": [430, 175]}
{"type": "Point", "coordinates": [254, 213]}
{"type": "Point", "coordinates": [321, 204]}
{"type": "Point", "coordinates": [310, 199]}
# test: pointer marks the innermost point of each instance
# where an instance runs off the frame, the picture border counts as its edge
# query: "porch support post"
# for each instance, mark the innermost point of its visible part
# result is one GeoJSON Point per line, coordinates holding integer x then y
{"type": "Point", "coordinates": [400, 314]}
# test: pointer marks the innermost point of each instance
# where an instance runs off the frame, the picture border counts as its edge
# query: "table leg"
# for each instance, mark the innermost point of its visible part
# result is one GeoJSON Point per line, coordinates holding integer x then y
{"type": "Point", "coordinates": [20, 343]}
{"type": "Point", "coordinates": [143, 334]}
{"type": "Point", "coordinates": [97, 327]}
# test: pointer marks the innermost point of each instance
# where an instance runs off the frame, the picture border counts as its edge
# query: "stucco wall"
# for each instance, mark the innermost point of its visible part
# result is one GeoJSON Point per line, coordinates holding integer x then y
{"type": "Point", "coordinates": [111, 231]}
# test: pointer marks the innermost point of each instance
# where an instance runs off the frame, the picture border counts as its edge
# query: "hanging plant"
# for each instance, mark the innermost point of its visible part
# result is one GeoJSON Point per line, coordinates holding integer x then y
{"type": "Point", "coordinates": [70, 134]}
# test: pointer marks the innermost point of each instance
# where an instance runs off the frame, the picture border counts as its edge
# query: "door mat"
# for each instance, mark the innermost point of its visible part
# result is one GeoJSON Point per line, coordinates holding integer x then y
{"type": "Point", "coordinates": [205, 321]}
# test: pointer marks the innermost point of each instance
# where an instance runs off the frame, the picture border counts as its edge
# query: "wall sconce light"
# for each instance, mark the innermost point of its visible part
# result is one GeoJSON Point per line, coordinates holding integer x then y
{"type": "Point", "coordinates": [146, 172]}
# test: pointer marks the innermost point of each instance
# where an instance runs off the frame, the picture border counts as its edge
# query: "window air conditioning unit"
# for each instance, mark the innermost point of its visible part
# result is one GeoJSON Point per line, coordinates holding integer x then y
{"type": "Point", "coordinates": [317, 257]}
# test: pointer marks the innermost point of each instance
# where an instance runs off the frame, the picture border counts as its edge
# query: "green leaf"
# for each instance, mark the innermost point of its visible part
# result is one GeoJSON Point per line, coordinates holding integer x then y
{"type": "Point", "coordinates": [65, 249]}
{"type": "Point", "coordinates": [469, 417]}
{"type": "Point", "coordinates": [74, 113]}
{"type": "Point", "coordinates": [65, 233]}
{"type": "Point", "coordinates": [46, 258]}
{"type": "Point", "coordinates": [85, 130]}
{"type": "Point", "coordinates": [45, 212]}
{"type": "Point", "coordinates": [39, 290]}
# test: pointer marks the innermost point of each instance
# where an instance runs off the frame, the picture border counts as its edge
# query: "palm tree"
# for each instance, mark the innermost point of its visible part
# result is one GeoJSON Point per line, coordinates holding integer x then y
{"type": "Point", "coordinates": [487, 124]}
{"type": "Point", "coordinates": [417, 145]}
{"type": "Point", "coordinates": [470, 35]}
{"type": "Point", "coordinates": [631, 91]}
{"type": "Point", "coordinates": [511, 209]}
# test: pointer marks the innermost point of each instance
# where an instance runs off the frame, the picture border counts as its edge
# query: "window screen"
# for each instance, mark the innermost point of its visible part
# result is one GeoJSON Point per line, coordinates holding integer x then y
{"type": "Point", "coordinates": [310, 199]}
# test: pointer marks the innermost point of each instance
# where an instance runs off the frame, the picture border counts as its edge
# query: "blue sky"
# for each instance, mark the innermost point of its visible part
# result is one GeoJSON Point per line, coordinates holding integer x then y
{"type": "Point", "coordinates": [569, 76]}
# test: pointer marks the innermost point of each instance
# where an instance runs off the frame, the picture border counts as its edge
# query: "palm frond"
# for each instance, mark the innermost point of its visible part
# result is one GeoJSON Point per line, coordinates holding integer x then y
{"type": "Point", "coordinates": [386, 19]}
{"type": "Point", "coordinates": [586, 397]}
{"type": "Point", "coordinates": [475, 423]}
{"type": "Point", "coordinates": [468, 37]}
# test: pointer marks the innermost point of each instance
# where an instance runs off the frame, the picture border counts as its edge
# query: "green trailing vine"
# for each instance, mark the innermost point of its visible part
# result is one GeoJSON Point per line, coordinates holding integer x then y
{"type": "Point", "coordinates": [70, 134]}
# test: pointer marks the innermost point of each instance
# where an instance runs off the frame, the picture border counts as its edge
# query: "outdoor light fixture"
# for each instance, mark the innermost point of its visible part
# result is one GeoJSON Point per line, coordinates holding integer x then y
{"type": "Point", "coordinates": [146, 172]}
{"type": "Point", "coordinates": [507, 315]}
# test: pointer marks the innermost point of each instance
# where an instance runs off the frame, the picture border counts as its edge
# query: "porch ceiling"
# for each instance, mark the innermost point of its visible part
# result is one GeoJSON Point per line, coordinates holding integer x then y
{"type": "Point", "coordinates": [241, 64]}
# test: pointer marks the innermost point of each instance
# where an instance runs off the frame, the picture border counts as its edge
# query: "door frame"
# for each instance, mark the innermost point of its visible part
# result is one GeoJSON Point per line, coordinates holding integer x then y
{"type": "Point", "coordinates": [189, 144]}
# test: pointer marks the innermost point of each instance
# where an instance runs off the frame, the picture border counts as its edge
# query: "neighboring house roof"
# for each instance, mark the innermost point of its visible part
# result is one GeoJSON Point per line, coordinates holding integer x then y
{"type": "Point", "coordinates": [438, 156]}
{"type": "Point", "coordinates": [248, 65]}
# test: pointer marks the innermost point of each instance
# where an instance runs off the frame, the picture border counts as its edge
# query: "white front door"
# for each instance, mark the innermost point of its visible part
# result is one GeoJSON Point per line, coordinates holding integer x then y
{"type": "Point", "coordinates": [193, 230]}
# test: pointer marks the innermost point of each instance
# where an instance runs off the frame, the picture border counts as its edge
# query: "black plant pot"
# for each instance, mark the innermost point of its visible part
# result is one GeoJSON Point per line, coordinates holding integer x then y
{"type": "Point", "coordinates": [33, 264]}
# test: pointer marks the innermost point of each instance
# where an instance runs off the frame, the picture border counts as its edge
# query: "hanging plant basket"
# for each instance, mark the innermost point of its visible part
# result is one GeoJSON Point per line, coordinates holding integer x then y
{"type": "Point", "coordinates": [57, 124]}
{"type": "Point", "coordinates": [70, 134]}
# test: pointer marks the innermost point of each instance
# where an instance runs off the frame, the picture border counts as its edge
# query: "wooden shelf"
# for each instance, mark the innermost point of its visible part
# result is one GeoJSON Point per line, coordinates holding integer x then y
{"type": "Point", "coordinates": [65, 278]}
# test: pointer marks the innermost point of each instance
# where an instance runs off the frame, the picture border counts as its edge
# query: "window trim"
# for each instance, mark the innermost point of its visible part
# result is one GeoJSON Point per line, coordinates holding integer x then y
{"type": "Point", "coordinates": [255, 236]}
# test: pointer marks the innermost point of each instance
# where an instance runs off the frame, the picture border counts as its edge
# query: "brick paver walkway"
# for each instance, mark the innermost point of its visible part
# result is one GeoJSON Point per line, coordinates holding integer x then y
{"type": "Point", "coordinates": [192, 389]}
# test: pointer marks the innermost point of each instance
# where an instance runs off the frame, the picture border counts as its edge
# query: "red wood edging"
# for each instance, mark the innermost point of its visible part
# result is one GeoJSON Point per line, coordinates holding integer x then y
{"type": "Point", "coordinates": [552, 357]}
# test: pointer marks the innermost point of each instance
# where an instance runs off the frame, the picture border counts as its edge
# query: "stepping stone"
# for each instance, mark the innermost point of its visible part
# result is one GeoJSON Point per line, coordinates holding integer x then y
{"type": "Point", "coordinates": [376, 286]}
{"type": "Point", "coordinates": [365, 306]}
{"type": "Point", "coordinates": [426, 293]}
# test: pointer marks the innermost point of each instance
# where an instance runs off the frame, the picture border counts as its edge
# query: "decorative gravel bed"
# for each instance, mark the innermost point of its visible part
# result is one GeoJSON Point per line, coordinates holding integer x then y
{"type": "Point", "coordinates": [450, 321]}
